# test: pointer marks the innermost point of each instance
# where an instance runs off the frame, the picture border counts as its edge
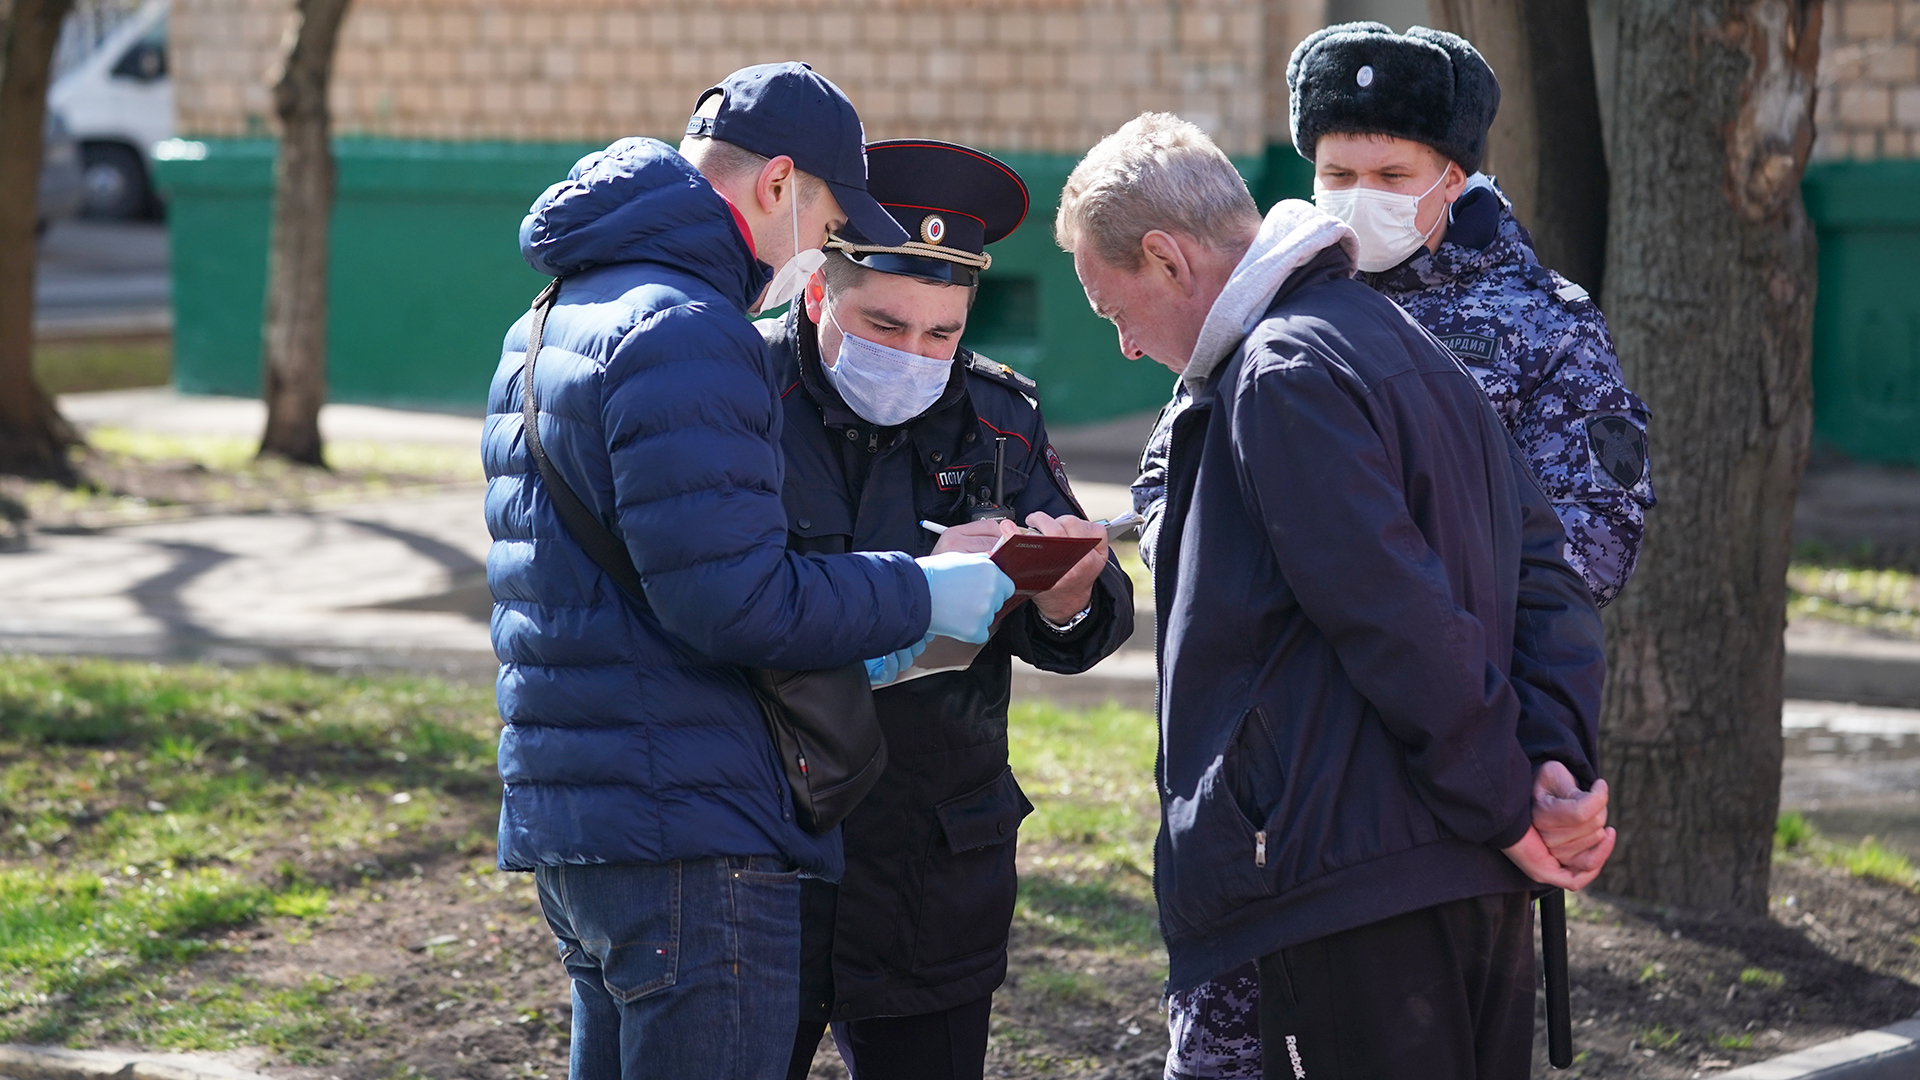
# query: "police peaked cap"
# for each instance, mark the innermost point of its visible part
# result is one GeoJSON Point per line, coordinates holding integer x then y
{"type": "Point", "coordinates": [952, 200]}
{"type": "Point", "coordinates": [1425, 85]}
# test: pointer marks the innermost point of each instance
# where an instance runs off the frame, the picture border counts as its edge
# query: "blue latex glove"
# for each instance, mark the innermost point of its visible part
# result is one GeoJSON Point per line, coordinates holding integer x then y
{"type": "Point", "coordinates": [885, 669]}
{"type": "Point", "coordinates": [968, 591]}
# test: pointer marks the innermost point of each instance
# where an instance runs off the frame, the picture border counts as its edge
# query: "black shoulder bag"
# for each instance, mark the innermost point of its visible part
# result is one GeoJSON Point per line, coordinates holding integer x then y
{"type": "Point", "coordinates": [822, 722]}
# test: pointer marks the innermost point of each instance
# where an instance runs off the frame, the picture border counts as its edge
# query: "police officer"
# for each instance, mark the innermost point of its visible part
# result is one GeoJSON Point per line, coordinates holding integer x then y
{"type": "Point", "coordinates": [890, 421]}
{"type": "Point", "coordinates": [1396, 127]}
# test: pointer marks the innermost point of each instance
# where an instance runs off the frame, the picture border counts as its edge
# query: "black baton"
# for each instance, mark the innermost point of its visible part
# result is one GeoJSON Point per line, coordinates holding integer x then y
{"type": "Point", "coordinates": [1553, 948]}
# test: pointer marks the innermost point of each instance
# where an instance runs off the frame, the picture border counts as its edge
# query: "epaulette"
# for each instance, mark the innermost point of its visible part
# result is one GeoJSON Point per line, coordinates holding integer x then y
{"type": "Point", "coordinates": [1004, 375]}
{"type": "Point", "coordinates": [1554, 285]}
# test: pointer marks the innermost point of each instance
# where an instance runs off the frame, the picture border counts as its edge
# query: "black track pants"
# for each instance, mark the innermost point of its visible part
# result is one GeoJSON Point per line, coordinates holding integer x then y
{"type": "Point", "coordinates": [948, 1045]}
{"type": "Point", "coordinates": [1443, 993]}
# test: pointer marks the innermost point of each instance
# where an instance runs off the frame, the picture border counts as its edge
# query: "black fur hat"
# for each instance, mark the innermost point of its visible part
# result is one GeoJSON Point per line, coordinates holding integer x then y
{"type": "Point", "coordinates": [1426, 85]}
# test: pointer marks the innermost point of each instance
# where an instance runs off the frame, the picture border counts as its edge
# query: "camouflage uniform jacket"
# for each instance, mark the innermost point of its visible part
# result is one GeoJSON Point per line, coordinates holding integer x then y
{"type": "Point", "coordinates": [1540, 349]}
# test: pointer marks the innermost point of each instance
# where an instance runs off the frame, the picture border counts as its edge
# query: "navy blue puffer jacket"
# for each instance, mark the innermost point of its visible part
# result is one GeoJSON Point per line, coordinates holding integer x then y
{"type": "Point", "coordinates": [631, 736]}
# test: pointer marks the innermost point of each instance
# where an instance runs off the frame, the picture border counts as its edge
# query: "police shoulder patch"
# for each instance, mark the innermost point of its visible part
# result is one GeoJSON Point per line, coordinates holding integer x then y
{"type": "Point", "coordinates": [1001, 373]}
{"type": "Point", "coordinates": [1618, 448]}
{"type": "Point", "coordinates": [1059, 472]}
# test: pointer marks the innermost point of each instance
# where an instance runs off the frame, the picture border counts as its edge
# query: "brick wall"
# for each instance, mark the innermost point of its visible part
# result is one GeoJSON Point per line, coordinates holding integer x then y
{"type": "Point", "coordinates": [1869, 106]}
{"type": "Point", "coordinates": [1040, 75]}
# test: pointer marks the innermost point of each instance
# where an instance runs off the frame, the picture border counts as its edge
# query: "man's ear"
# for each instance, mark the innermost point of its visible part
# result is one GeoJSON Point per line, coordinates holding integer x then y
{"type": "Point", "coordinates": [815, 296]}
{"type": "Point", "coordinates": [1454, 181]}
{"type": "Point", "coordinates": [776, 179]}
{"type": "Point", "coordinates": [1166, 260]}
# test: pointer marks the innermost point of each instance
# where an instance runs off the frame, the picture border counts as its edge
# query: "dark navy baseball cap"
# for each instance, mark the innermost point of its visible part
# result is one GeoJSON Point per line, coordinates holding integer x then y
{"type": "Point", "coordinates": [776, 109]}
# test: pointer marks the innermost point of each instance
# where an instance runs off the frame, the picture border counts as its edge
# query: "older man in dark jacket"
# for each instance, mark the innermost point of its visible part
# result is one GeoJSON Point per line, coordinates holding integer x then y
{"type": "Point", "coordinates": [641, 786]}
{"type": "Point", "coordinates": [1369, 636]}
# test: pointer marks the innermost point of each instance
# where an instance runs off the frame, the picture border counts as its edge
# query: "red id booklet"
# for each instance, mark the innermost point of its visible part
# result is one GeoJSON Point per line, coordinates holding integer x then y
{"type": "Point", "coordinates": [1035, 563]}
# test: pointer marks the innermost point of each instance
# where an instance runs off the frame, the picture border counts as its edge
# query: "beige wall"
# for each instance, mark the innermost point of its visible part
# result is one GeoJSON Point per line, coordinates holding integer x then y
{"type": "Point", "coordinates": [1044, 75]}
{"type": "Point", "coordinates": [1869, 81]}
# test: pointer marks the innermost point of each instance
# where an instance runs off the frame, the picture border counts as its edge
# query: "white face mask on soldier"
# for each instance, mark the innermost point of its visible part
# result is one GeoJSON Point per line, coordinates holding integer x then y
{"type": "Point", "coordinates": [793, 277]}
{"type": "Point", "coordinates": [886, 386]}
{"type": "Point", "coordinates": [1386, 222]}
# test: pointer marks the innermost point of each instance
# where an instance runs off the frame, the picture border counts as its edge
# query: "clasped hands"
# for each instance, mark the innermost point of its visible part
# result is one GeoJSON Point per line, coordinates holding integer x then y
{"type": "Point", "coordinates": [1569, 840]}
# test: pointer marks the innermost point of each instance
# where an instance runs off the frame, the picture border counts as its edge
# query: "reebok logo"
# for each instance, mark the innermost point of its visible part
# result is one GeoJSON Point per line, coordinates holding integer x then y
{"type": "Point", "coordinates": [1293, 1056]}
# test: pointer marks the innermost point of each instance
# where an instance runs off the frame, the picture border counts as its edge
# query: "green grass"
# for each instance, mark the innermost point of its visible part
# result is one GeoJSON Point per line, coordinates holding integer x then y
{"type": "Point", "coordinates": [1761, 978]}
{"type": "Point", "coordinates": [1791, 831]}
{"type": "Point", "coordinates": [1866, 859]}
{"type": "Point", "coordinates": [1129, 555]}
{"type": "Point", "coordinates": [67, 367]}
{"type": "Point", "coordinates": [1839, 589]}
{"type": "Point", "coordinates": [229, 453]}
{"type": "Point", "coordinates": [1743, 1041]}
{"type": "Point", "coordinates": [146, 810]}
{"type": "Point", "coordinates": [1659, 1036]}
{"type": "Point", "coordinates": [1090, 776]}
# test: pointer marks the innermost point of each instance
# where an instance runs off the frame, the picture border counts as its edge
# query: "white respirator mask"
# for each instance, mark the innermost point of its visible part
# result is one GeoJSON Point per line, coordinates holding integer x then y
{"type": "Point", "coordinates": [1386, 222]}
{"type": "Point", "coordinates": [788, 282]}
{"type": "Point", "coordinates": [886, 386]}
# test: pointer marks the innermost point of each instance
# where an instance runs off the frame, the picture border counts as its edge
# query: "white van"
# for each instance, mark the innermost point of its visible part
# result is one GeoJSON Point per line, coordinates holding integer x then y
{"type": "Point", "coordinates": [118, 103]}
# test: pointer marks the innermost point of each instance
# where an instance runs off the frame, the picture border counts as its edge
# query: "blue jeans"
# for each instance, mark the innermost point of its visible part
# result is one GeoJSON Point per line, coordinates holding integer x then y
{"type": "Point", "coordinates": [680, 970]}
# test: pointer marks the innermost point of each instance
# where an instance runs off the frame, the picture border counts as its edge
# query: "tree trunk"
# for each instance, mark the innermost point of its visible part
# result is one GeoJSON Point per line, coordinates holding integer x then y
{"type": "Point", "coordinates": [295, 338]}
{"type": "Point", "coordinates": [33, 437]}
{"type": "Point", "coordinates": [1545, 145]}
{"type": "Point", "coordinates": [1710, 295]}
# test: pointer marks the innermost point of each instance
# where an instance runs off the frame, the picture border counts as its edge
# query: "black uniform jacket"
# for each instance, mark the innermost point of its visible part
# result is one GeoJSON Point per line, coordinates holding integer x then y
{"type": "Point", "coordinates": [920, 920]}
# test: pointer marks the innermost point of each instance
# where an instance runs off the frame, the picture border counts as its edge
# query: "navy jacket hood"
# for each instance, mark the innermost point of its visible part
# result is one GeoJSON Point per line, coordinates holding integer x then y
{"type": "Point", "coordinates": [640, 201]}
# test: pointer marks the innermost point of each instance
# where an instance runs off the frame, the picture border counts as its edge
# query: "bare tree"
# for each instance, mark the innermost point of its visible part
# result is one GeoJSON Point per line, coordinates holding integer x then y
{"type": "Point", "coordinates": [295, 336]}
{"type": "Point", "coordinates": [1710, 286]}
{"type": "Point", "coordinates": [33, 436]}
{"type": "Point", "coordinates": [1546, 145]}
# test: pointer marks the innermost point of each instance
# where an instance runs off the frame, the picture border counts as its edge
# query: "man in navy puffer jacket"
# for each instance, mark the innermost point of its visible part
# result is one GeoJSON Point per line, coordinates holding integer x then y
{"type": "Point", "coordinates": [641, 786]}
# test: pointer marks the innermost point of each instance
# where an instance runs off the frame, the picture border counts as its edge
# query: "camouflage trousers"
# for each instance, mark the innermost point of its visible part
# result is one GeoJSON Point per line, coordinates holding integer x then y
{"type": "Point", "coordinates": [1214, 1028]}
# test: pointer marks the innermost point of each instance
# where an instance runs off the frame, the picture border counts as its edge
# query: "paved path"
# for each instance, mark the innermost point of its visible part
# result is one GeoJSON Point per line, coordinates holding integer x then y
{"type": "Point", "coordinates": [395, 582]}
{"type": "Point", "coordinates": [382, 584]}
{"type": "Point", "coordinates": [400, 581]}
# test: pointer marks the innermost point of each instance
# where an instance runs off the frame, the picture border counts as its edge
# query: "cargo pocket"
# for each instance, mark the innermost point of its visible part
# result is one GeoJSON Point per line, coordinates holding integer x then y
{"type": "Point", "coordinates": [968, 882]}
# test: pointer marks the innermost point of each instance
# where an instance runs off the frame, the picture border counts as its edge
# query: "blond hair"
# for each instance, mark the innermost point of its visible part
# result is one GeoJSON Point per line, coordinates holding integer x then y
{"type": "Point", "coordinates": [1157, 172]}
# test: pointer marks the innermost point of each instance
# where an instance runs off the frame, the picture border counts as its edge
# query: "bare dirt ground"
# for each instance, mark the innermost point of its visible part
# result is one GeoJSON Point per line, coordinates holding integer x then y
{"type": "Point", "coordinates": [446, 970]}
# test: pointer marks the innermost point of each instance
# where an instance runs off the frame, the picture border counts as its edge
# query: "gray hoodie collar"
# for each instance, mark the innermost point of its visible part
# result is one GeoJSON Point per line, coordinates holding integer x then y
{"type": "Point", "coordinates": [1292, 234]}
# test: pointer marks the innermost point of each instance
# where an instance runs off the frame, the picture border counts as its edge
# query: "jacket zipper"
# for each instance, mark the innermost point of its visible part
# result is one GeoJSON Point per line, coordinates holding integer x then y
{"type": "Point", "coordinates": [1260, 848]}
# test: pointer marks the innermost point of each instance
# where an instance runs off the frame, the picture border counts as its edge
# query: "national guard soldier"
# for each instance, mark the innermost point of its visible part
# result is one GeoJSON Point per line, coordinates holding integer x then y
{"type": "Point", "coordinates": [1396, 127]}
{"type": "Point", "coordinates": [889, 421]}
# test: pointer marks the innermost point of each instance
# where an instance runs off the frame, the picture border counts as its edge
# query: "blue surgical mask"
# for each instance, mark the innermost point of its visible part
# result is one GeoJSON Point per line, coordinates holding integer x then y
{"type": "Point", "coordinates": [886, 386]}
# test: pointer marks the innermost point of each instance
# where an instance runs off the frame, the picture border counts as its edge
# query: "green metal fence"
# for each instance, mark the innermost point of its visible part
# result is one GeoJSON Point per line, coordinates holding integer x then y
{"type": "Point", "coordinates": [426, 274]}
{"type": "Point", "coordinates": [1866, 324]}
